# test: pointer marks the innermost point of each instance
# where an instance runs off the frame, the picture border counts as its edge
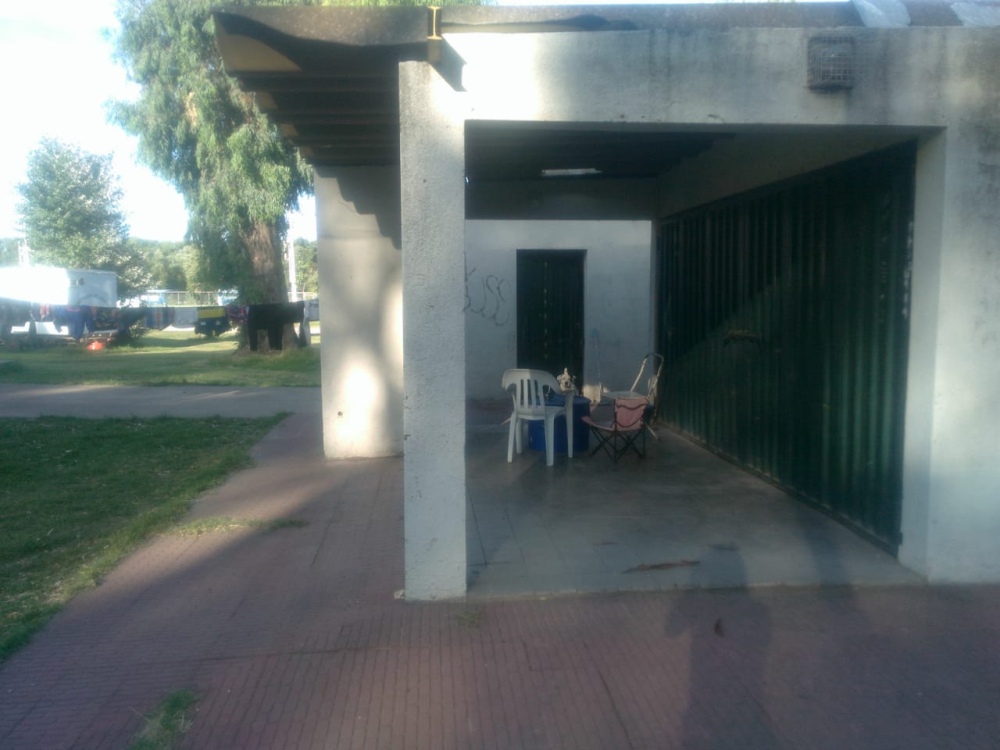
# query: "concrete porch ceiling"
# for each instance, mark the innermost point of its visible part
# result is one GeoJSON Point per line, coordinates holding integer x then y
{"type": "Point", "coordinates": [328, 76]}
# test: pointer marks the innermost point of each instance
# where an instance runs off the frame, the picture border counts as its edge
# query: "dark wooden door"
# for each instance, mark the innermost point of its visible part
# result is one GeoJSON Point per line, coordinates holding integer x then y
{"type": "Point", "coordinates": [550, 310]}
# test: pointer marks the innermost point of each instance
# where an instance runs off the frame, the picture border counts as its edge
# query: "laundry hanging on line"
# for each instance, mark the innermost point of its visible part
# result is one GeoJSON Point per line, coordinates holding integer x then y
{"type": "Point", "coordinates": [273, 318]}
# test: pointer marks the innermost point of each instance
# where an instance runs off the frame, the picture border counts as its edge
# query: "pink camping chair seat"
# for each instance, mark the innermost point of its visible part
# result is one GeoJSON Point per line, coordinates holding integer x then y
{"type": "Point", "coordinates": [625, 432]}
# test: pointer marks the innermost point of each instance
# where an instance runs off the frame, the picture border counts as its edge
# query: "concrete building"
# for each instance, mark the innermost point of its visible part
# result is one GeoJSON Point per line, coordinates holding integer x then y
{"type": "Point", "coordinates": [801, 202]}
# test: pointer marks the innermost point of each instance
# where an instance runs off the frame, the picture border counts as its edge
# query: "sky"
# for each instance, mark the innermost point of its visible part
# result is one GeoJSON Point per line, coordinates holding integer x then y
{"type": "Point", "coordinates": [57, 73]}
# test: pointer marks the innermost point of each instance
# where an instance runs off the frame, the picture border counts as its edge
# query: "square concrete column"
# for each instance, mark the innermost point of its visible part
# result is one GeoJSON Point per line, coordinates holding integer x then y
{"type": "Point", "coordinates": [360, 311]}
{"type": "Point", "coordinates": [951, 499]}
{"type": "Point", "coordinates": [432, 158]}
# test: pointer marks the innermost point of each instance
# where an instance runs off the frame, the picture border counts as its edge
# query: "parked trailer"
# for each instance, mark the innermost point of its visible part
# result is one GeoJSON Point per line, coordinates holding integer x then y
{"type": "Point", "coordinates": [21, 287]}
{"type": "Point", "coordinates": [44, 285]}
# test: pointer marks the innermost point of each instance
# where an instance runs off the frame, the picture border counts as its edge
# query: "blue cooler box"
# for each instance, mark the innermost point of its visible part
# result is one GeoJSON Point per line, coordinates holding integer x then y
{"type": "Point", "coordinates": [581, 433]}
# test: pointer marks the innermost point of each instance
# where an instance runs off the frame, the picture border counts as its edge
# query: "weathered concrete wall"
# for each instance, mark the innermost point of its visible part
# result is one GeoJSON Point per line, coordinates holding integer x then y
{"type": "Point", "coordinates": [712, 80]}
{"type": "Point", "coordinates": [617, 297]}
{"type": "Point", "coordinates": [432, 159]}
{"type": "Point", "coordinates": [963, 455]}
{"type": "Point", "coordinates": [358, 254]}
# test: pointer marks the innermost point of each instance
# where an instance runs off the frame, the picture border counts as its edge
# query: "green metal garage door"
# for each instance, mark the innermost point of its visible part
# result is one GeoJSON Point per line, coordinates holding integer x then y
{"type": "Point", "coordinates": [784, 321]}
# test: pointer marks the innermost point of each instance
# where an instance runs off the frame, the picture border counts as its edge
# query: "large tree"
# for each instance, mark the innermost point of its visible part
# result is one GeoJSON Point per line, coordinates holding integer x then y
{"type": "Point", "coordinates": [199, 131]}
{"type": "Point", "coordinates": [166, 262]}
{"type": "Point", "coordinates": [70, 210]}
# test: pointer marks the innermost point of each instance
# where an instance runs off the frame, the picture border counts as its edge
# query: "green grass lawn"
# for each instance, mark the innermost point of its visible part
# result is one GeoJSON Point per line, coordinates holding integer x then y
{"type": "Point", "coordinates": [163, 358]}
{"type": "Point", "coordinates": [76, 495]}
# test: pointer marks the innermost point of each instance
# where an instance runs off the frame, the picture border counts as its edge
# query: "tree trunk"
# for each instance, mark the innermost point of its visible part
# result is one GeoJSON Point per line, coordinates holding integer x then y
{"type": "Point", "coordinates": [262, 244]}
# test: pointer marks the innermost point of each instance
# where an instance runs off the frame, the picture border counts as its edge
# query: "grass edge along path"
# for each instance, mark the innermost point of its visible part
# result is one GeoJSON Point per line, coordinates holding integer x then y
{"type": "Point", "coordinates": [162, 358]}
{"type": "Point", "coordinates": [77, 495]}
{"type": "Point", "coordinates": [166, 725]}
{"type": "Point", "coordinates": [226, 524]}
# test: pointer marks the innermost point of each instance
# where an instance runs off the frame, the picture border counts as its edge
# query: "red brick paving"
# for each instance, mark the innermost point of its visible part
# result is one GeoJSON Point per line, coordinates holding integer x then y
{"type": "Point", "coordinates": [293, 639]}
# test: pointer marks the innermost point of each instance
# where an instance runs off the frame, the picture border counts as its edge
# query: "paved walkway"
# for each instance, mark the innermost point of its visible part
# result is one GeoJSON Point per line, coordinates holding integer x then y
{"type": "Point", "coordinates": [142, 401]}
{"type": "Point", "coordinates": [293, 638]}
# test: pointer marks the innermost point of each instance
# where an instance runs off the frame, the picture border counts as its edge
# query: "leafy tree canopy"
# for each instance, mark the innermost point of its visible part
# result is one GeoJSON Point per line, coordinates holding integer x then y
{"type": "Point", "coordinates": [200, 132]}
{"type": "Point", "coordinates": [70, 209]}
{"type": "Point", "coordinates": [168, 263]}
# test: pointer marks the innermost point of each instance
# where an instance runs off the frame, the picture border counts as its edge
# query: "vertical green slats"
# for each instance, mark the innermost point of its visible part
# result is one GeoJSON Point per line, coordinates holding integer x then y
{"type": "Point", "coordinates": [785, 333]}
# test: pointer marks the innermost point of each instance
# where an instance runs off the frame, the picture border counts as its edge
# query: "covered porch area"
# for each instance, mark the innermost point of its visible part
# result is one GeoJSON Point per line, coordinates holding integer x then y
{"type": "Point", "coordinates": [424, 126]}
{"type": "Point", "coordinates": [682, 517]}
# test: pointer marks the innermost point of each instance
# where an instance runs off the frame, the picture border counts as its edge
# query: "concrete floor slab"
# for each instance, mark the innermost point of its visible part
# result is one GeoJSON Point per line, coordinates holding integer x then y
{"type": "Point", "coordinates": [682, 517]}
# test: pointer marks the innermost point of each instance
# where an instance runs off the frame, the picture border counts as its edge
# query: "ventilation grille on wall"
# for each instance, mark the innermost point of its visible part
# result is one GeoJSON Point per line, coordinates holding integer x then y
{"type": "Point", "coordinates": [832, 62]}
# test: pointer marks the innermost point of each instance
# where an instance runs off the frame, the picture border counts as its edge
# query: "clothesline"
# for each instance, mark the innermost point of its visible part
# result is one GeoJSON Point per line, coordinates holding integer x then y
{"type": "Point", "coordinates": [83, 319]}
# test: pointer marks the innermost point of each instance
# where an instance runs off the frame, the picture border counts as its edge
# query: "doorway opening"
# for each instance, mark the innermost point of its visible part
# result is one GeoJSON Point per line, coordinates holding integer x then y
{"type": "Point", "coordinates": [550, 310]}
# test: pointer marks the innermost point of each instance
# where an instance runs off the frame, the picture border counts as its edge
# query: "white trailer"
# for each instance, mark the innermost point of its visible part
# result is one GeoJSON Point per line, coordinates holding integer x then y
{"type": "Point", "coordinates": [45, 285]}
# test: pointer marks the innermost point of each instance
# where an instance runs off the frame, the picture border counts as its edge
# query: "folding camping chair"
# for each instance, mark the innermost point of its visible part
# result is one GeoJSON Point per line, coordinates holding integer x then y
{"type": "Point", "coordinates": [624, 432]}
{"type": "Point", "coordinates": [645, 385]}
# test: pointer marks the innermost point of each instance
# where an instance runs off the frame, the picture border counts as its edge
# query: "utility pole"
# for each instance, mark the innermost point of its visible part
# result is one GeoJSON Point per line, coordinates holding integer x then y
{"type": "Point", "coordinates": [293, 290]}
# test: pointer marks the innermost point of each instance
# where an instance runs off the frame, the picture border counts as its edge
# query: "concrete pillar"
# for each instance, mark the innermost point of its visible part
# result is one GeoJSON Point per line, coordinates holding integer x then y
{"type": "Point", "coordinates": [432, 157]}
{"type": "Point", "coordinates": [951, 505]}
{"type": "Point", "coordinates": [358, 253]}
{"type": "Point", "coordinates": [914, 551]}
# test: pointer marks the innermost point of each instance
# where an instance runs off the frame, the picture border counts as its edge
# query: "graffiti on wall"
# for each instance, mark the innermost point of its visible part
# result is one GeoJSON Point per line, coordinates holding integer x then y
{"type": "Point", "coordinates": [487, 295]}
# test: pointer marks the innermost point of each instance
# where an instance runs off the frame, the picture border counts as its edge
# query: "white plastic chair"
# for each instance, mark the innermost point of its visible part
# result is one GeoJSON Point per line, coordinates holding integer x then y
{"type": "Point", "coordinates": [530, 390]}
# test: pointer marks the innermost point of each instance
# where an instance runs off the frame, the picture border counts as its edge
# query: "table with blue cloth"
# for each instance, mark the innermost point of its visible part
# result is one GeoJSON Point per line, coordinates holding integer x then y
{"type": "Point", "coordinates": [581, 433]}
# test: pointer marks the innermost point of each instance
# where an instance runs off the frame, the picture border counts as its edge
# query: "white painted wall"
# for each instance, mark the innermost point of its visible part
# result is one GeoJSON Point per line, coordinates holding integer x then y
{"type": "Point", "coordinates": [617, 297]}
